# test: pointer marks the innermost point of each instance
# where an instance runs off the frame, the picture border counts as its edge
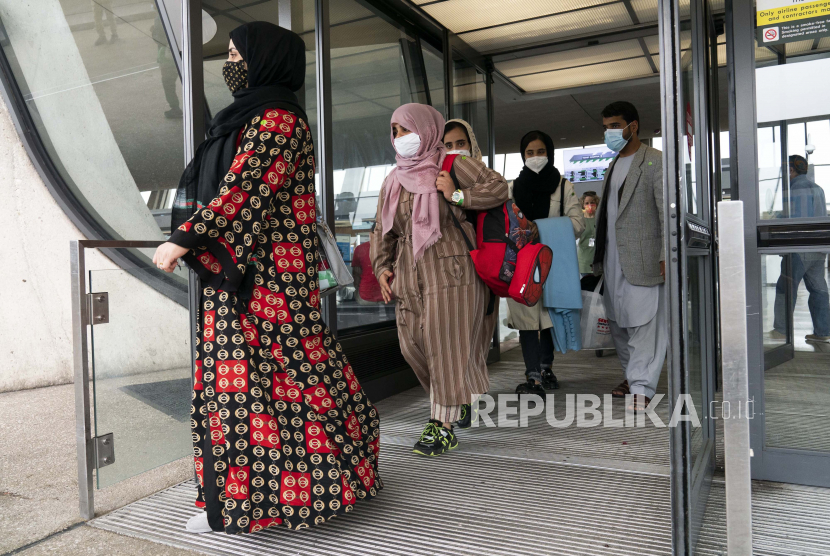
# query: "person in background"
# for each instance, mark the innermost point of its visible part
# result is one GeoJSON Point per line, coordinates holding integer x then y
{"type": "Point", "coordinates": [459, 139]}
{"type": "Point", "coordinates": [631, 254]}
{"type": "Point", "coordinates": [99, 9]}
{"type": "Point", "coordinates": [586, 246]}
{"type": "Point", "coordinates": [439, 297]}
{"type": "Point", "coordinates": [540, 191]}
{"type": "Point", "coordinates": [167, 67]}
{"type": "Point", "coordinates": [805, 200]}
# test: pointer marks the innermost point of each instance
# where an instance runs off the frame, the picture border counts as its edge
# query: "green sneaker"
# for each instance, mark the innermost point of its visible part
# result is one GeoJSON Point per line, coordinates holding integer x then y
{"type": "Point", "coordinates": [435, 440]}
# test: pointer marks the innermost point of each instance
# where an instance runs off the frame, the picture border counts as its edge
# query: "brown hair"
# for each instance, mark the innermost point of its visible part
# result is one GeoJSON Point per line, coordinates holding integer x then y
{"type": "Point", "coordinates": [589, 195]}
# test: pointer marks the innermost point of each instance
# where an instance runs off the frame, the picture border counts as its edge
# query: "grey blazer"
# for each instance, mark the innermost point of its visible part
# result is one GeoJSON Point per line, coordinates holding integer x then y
{"type": "Point", "coordinates": [639, 222]}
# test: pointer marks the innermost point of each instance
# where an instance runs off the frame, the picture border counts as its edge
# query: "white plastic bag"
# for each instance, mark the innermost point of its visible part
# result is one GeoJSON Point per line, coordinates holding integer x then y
{"type": "Point", "coordinates": [333, 273]}
{"type": "Point", "coordinates": [596, 333]}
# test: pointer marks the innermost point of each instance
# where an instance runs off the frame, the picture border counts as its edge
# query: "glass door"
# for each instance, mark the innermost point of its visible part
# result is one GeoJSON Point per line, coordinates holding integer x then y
{"type": "Point", "coordinates": [690, 287]}
{"type": "Point", "coordinates": [788, 254]}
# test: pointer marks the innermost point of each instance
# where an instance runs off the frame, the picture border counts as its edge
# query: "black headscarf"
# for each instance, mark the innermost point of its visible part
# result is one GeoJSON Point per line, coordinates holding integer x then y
{"type": "Point", "coordinates": [276, 70]}
{"type": "Point", "coordinates": [532, 191]}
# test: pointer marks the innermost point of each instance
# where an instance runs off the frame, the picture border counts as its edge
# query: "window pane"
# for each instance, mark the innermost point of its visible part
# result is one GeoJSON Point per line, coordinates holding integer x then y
{"type": "Point", "coordinates": [470, 100]}
{"type": "Point", "coordinates": [689, 147]}
{"type": "Point", "coordinates": [434, 62]}
{"type": "Point", "coordinates": [370, 79]}
{"type": "Point", "coordinates": [105, 97]}
{"type": "Point", "coordinates": [796, 310]}
{"type": "Point", "coordinates": [804, 113]}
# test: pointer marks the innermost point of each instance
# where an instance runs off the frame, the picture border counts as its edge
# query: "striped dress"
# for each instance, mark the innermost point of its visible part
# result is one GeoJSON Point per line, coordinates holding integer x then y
{"type": "Point", "coordinates": [440, 300]}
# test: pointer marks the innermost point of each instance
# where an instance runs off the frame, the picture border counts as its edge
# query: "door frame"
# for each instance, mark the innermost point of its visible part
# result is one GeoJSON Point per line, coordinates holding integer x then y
{"type": "Point", "coordinates": [690, 479]}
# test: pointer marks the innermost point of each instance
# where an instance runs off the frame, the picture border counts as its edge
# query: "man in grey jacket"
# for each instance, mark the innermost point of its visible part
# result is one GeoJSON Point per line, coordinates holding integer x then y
{"type": "Point", "coordinates": [631, 253]}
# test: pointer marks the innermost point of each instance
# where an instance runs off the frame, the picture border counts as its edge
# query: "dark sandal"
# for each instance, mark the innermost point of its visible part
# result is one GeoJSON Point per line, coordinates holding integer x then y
{"type": "Point", "coordinates": [639, 404]}
{"type": "Point", "coordinates": [621, 391]}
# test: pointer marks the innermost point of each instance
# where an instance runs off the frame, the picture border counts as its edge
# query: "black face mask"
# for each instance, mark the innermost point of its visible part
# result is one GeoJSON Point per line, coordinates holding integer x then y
{"type": "Point", "coordinates": [236, 75]}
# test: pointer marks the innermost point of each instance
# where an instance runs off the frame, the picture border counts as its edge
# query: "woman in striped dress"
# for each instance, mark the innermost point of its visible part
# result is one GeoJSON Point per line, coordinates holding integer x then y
{"type": "Point", "coordinates": [422, 261]}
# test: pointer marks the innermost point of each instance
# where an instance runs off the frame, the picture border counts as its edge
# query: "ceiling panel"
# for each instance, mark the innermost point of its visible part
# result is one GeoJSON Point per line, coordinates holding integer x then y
{"type": "Point", "coordinates": [465, 15]}
{"type": "Point", "coordinates": [646, 10]}
{"type": "Point", "coordinates": [601, 18]}
{"type": "Point", "coordinates": [591, 75]}
{"type": "Point", "coordinates": [799, 47]}
{"type": "Point", "coordinates": [762, 54]}
{"type": "Point", "coordinates": [571, 58]}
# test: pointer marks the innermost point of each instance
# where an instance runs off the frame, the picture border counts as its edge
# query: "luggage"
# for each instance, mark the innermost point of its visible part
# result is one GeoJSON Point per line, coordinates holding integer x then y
{"type": "Point", "coordinates": [505, 255]}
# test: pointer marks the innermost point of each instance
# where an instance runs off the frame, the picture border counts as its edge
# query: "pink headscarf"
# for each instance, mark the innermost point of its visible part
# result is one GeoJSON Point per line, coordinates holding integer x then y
{"type": "Point", "coordinates": [417, 175]}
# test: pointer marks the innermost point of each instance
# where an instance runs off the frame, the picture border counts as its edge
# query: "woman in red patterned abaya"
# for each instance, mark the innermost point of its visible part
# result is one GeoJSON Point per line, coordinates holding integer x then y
{"type": "Point", "coordinates": [282, 432]}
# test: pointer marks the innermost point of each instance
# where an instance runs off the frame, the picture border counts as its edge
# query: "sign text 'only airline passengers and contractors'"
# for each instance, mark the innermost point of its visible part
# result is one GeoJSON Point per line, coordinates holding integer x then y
{"type": "Point", "coordinates": [781, 21]}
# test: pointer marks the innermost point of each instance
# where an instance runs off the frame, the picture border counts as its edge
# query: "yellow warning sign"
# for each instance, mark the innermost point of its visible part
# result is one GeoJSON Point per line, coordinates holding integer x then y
{"type": "Point", "coordinates": [772, 12]}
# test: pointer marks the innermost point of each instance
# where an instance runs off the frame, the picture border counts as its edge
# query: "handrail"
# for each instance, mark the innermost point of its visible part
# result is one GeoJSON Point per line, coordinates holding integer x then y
{"type": "Point", "coordinates": [80, 320]}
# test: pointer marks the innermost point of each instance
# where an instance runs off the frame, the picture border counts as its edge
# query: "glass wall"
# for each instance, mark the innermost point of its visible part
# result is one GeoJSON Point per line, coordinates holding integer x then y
{"type": "Point", "coordinates": [102, 86]}
{"type": "Point", "coordinates": [470, 99]}
{"type": "Point", "coordinates": [374, 69]}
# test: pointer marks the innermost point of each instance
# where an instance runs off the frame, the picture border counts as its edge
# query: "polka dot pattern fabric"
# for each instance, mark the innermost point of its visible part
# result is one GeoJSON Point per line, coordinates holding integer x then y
{"type": "Point", "coordinates": [236, 75]}
{"type": "Point", "coordinates": [283, 433]}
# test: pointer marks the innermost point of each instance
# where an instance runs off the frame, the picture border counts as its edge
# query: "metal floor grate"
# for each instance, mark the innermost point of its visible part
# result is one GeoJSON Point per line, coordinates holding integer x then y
{"type": "Point", "coordinates": [531, 491]}
{"type": "Point", "coordinates": [456, 505]}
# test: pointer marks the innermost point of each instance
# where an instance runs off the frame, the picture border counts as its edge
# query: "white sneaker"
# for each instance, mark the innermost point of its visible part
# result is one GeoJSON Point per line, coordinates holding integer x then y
{"type": "Point", "coordinates": [198, 523]}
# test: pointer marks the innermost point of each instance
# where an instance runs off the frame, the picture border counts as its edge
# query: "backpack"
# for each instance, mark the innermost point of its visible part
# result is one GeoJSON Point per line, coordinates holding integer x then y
{"type": "Point", "coordinates": [505, 256]}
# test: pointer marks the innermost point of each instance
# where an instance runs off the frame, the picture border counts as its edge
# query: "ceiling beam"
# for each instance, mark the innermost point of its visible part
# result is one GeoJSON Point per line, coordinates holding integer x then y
{"type": "Point", "coordinates": [647, 54]}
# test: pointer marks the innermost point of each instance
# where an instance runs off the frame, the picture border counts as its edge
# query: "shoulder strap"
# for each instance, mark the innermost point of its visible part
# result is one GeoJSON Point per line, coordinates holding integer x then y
{"type": "Point", "coordinates": [562, 196]}
{"type": "Point", "coordinates": [458, 225]}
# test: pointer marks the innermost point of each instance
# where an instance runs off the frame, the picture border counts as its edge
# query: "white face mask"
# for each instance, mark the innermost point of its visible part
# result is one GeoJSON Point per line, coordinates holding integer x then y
{"type": "Point", "coordinates": [460, 153]}
{"type": "Point", "coordinates": [408, 145]}
{"type": "Point", "coordinates": [536, 163]}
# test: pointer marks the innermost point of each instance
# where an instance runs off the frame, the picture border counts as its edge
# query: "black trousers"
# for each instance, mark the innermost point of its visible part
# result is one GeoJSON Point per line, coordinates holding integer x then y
{"type": "Point", "coordinates": [537, 350]}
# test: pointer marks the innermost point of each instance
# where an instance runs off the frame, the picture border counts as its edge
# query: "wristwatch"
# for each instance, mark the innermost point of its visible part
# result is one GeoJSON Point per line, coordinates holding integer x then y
{"type": "Point", "coordinates": [458, 197]}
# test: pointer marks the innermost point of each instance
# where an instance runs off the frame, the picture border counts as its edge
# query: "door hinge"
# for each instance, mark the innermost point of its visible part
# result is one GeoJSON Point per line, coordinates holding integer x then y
{"type": "Point", "coordinates": [104, 450]}
{"type": "Point", "coordinates": [99, 308]}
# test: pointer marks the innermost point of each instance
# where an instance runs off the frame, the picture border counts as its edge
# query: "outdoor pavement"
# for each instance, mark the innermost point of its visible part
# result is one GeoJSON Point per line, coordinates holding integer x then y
{"type": "Point", "coordinates": [38, 477]}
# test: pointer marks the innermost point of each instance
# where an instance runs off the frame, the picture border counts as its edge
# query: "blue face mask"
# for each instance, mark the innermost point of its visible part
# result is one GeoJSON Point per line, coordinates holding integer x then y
{"type": "Point", "coordinates": [614, 139]}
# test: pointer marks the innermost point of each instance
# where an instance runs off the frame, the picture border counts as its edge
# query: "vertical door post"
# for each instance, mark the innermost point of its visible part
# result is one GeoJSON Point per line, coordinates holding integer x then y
{"type": "Point", "coordinates": [323, 147]}
{"type": "Point", "coordinates": [193, 101]}
{"type": "Point", "coordinates": [672, 126]}
{"type": "Point", "coordinates": [83, 428]}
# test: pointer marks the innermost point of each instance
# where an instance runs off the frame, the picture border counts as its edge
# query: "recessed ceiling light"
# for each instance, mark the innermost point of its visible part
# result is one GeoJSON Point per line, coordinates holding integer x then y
{"type": "Point", "coordinates": [562, 138]}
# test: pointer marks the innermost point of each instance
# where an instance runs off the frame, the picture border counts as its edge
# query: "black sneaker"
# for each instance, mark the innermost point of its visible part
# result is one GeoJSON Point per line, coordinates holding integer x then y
{"type": "Point", "coordinates": [435, 440]}
{"type": "Point", "coordinates": [549, 381]}
{"type": "Point", "coordinates": [467, 416]}
{"type": "Point", "coordinates": [530, 387]}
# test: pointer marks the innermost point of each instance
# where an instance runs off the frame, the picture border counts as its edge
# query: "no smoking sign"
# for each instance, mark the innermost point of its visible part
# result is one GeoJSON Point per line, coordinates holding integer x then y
{"type": "Point", "coordinates": [771, 34]}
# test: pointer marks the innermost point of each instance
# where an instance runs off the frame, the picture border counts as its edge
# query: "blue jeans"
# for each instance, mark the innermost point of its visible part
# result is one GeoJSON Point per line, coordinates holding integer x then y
{"type": "Point", "coordinates": [810, 268]}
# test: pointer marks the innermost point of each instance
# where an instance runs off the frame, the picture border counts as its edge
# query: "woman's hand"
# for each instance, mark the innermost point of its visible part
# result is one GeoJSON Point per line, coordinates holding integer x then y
{"type": "Point", "coordinates": [445, 184]}
{"type": "Point", "coordinates": [167, 256]}
{"type": "Point", "coordinates": [385, 288]}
